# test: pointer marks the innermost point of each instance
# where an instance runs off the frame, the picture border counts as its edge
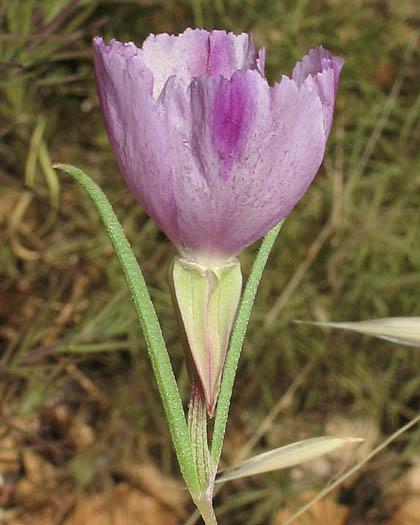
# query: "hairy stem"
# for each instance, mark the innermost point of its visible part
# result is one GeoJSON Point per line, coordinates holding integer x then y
{"type": "Point", "coordinates": [197, 426]}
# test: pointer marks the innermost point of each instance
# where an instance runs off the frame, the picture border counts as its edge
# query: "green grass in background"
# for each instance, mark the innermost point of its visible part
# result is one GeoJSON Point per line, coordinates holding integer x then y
{"type": "Point", "coordinates": [349, 251]}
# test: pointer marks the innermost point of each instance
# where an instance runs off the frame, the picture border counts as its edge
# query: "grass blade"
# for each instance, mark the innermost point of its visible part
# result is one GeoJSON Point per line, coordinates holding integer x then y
{"type": "Point", "coordinates": [403, 330]}
{"type": "Point", "coordinates": [287, 456]}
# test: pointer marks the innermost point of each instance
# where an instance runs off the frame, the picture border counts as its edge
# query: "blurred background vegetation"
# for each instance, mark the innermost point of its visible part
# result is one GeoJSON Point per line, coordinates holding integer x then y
{"type": "Point", "coordinates": [80, 413]}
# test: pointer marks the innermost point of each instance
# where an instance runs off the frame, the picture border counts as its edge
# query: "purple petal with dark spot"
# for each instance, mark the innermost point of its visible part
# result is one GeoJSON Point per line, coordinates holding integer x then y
{"type": "Point", "coordinates": [196, 53]}
{"type": "Point", "coordinates": [213, 153]}
{"type": "Point", "coordinates": [233, 112]}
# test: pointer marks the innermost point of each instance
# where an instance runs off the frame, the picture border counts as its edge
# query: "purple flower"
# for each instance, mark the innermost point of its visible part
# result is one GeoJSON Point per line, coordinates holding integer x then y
{"type": "Point", "coordinates": [212, 153]}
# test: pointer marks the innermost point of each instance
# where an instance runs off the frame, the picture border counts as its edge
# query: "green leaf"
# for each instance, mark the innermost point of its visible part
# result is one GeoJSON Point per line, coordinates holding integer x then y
{"type": "Point", "coordinates": [150, 325]}
{"type": "Point", "coordinates": [236, 342]}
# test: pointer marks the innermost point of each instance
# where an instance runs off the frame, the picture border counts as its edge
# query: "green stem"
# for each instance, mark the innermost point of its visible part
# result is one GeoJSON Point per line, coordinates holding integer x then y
{"type": "Point", "coordinates": [151, 329]}
{"type": "Point", "coordinates": [197, 425]}
{"type": "Point", "coordinates": [236, 342]}
{"type": "Point", "coordinates": [205, 506]}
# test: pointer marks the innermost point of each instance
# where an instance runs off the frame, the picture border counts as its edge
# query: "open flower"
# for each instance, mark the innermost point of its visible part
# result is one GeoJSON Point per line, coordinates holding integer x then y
{"type": "Point", "coordinates": [211, 152]}
{"type": "Point", "coordinates": [215, 156]}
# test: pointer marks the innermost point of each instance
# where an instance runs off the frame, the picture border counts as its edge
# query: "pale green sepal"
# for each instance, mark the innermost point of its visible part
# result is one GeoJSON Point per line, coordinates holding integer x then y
{"type": "Point", "coordinates": [207, 299]}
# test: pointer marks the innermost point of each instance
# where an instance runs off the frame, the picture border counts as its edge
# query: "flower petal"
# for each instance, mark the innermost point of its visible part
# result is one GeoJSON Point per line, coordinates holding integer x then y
{"type": "Point", "coordinates": [194, 53]}
{"type": "Point", "coordinates": [248, 151]}
{"type": "Point", "coordinates": [135, 131]}
{"type": "Point", "coordinates": [209, 127]}
{"type": "Point", "coordinates": [218, 158]}
{"type": "Point", "coordinates": [322, 69]}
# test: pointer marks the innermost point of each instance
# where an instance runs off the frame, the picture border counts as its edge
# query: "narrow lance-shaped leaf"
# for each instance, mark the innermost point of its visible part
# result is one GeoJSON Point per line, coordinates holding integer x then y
{"type": "Point", "coordinates": [236, 342]}
{"type": "Point", "coordinates": [150, 325]}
